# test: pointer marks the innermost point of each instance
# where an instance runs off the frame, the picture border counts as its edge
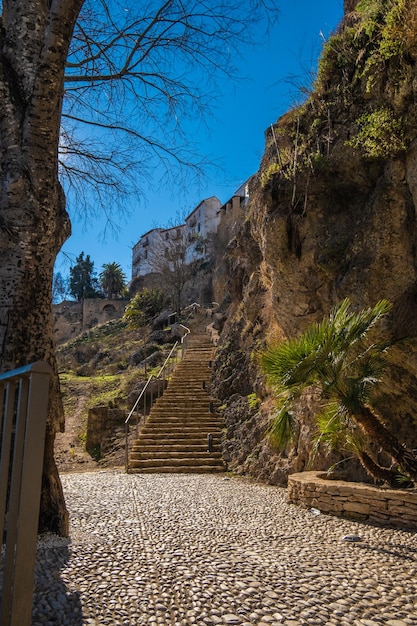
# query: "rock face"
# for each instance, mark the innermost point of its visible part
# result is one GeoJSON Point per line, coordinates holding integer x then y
{"type": "Point", "coordinates": [350, 5]}
{"type": "Point", "coordinates": [332, 215]}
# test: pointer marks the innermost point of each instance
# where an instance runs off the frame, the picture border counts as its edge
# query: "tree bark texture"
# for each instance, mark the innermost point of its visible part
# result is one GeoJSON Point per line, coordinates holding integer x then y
{"type": "Point", "coordinates": [375, 430]}
{"type": "Point", "coordinates": [383, 474]}
{"type": "Point", "coordinates": [34, 40]}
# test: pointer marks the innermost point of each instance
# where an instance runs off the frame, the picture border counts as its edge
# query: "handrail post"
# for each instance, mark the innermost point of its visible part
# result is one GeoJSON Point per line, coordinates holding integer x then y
{"type": "Point", "coordinates": [127, 447]}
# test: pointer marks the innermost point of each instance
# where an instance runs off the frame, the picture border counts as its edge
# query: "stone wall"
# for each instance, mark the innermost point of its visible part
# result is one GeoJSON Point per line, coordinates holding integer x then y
{"type": "Point", "coordinates": [72, 318]}
{"type": "Point", "coordinates": [390, 507]}
{"type": "Point", "coordinates": [103, 426]}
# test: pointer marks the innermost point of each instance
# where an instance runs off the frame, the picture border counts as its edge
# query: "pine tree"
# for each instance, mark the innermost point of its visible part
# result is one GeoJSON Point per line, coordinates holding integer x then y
{"type": "Point", "coordinates": [83, 283]}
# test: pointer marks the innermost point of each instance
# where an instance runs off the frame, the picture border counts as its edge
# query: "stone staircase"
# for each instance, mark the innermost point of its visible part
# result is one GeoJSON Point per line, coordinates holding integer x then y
{"type": "Point", "coordinates": [175, 437]}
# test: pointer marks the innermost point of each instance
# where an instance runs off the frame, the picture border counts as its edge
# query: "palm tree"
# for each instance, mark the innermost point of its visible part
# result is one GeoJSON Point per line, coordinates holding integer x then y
{"type": "Point", "coordinates": [112, 280]}
{"type": "Point", "coordinates": [339, 358]}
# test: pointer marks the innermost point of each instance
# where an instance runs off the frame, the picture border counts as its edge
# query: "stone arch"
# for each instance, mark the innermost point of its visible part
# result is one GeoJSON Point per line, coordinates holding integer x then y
{"type": "Point", "coordinates": [109, 310]}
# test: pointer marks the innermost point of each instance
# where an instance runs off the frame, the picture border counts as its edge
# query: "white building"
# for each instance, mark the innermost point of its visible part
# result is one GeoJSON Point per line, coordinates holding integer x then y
{"type": "Point", "coordinates": [199, 224]}
{"type": "Point", "coordinates": [141, 257]}
{"type": "Point", "coordinates": [204, 219]}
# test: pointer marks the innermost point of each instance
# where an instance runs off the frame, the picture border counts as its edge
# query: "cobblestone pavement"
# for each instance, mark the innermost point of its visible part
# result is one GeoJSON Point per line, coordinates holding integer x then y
{"type": "Point", "coordinates": [212, 550]}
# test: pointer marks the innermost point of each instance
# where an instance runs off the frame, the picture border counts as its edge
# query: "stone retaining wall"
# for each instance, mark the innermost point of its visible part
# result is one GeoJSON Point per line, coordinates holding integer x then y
{"type": "Point", "coordinates": [103, 425]}
{"type": "Point", "coordinates": [390, 507]}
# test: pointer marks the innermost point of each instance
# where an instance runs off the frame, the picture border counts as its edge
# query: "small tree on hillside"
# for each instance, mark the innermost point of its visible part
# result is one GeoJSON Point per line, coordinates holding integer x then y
{"type": "Point", "coordinates": [112, 280]}
{"type": "Point", "coordinates": [83, 283]}
{"type": "Point", "coordinates": [143, 307]}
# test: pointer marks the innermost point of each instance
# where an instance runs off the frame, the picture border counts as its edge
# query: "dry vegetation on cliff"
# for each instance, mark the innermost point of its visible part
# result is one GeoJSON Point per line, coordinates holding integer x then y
{"type": "Point", "coordinates": [332, 215]}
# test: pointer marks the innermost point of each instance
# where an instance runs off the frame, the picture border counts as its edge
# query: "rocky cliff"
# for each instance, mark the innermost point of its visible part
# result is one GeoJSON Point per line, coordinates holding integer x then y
{"type": "Point", "coordinates": [332, 214]}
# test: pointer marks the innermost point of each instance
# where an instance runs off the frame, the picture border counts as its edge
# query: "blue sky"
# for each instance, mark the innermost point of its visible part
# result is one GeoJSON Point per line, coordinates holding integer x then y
{"type": "Point", "coordinates": [235, 137]}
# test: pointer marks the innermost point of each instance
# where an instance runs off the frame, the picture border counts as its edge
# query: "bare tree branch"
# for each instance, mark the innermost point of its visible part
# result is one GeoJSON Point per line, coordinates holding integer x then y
{"type": "Point", "coordinates": [137, 73]}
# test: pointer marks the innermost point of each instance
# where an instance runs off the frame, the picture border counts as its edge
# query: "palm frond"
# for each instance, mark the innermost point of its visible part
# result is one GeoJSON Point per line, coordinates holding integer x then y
{"type": "Point", "coordinates": [338, 356]}
{"type": "Point", "coordinates": [323, 348]}
{"type": "Point", "coordinates": [350, 328]}
{"type": "Point", "coordinates": [296, 361]}
{"type": "Point", "coordinates": [355, 441]}
{"type": "Point", "coordinates": [332, 427]}
{"type": "Point", "coordinates": [403, 480]}
{"type": "Point", "coordinates": [282, 429]}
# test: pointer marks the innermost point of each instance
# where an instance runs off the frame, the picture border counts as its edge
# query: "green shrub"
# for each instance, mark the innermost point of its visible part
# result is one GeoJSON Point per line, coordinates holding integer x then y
{"type": "Point", "coordinates": [380, 134]}
{"type": "Point", "coordinates": [266, 176]}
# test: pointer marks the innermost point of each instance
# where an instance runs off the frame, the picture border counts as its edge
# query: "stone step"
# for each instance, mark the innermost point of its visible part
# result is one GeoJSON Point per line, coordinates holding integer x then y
{"type": "Point", "coordinates": [166, 469]}
{"type": "Point", "coordinates": [185, 415]}
{"type": "Point", "coordinates": [172, 462]}
{"type": "Point", "coordinates": [170, 438]}
{"type": "Point", "coordinates": [198, 359]}
{"type": "Point", "coordinates": [177, 433]}
{"type": "Point", "coordinates": [199, 356]}
{"type": "Point", "coordinates": [196, 383]}
{"type": "Point", "coordinates": [180, 431]}
{"type": "Point", "coordinates": [184, 420]}
{"type": "Point", "coordinates": [193, 375]}
{"type": "Point", "coordinates": [179, 412]}
{"type": "Point", "coordinates": [153, 446]}
{"type": "Point", "coordinates": [179, 436]}
{"type": "Point", "coordinates": [176, 443]}
{"type": "Point", "coordinates": [185, 391]}
{"type": "Point", "coordinates": [139, 455]}
{"type": "Point", "coordinates": [180, 424]}
{"type": "Point", "coordinates": [175, 430]}
{"type": "Point", "coordinates": [189, 398]}
{"type": "Point", "coordinates": [185, 403]}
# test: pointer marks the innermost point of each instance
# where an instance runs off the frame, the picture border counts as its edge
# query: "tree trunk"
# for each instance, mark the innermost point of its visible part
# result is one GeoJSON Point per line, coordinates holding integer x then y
{"type": "Point", "coordinates": [34, 224]}
{"type": "Point", "coordinates": [376, 471]}
{"type": "Point", "coordinates": [381, 436]}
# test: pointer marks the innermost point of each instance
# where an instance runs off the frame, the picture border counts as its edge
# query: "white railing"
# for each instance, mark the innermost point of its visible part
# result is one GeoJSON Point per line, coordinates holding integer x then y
{"type": "Point", "coordinates": [167, 367]}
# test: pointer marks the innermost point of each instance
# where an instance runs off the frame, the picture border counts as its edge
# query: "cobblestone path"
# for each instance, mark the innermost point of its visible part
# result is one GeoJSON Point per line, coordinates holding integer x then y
{"type": "Point", "coordinates": [210, 550]}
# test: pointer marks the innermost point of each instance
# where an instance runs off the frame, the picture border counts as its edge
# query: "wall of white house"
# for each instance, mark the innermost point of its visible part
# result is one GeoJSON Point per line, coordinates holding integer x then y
{"type": "Point", "coordinates": [142, 252]}
{"type": "Point", "coordinates": [203, 221]}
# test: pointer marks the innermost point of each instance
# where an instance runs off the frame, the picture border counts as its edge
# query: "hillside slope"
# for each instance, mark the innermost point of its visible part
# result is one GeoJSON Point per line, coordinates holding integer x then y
{"type": "Point", "coordinates": [104, 366]}
{"type": "Point", "coordinates": [107, 366]}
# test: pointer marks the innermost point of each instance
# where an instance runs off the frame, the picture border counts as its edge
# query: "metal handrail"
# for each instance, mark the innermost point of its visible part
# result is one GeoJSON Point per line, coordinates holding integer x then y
{"type": "Point", "coordinates": [151, 377]}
